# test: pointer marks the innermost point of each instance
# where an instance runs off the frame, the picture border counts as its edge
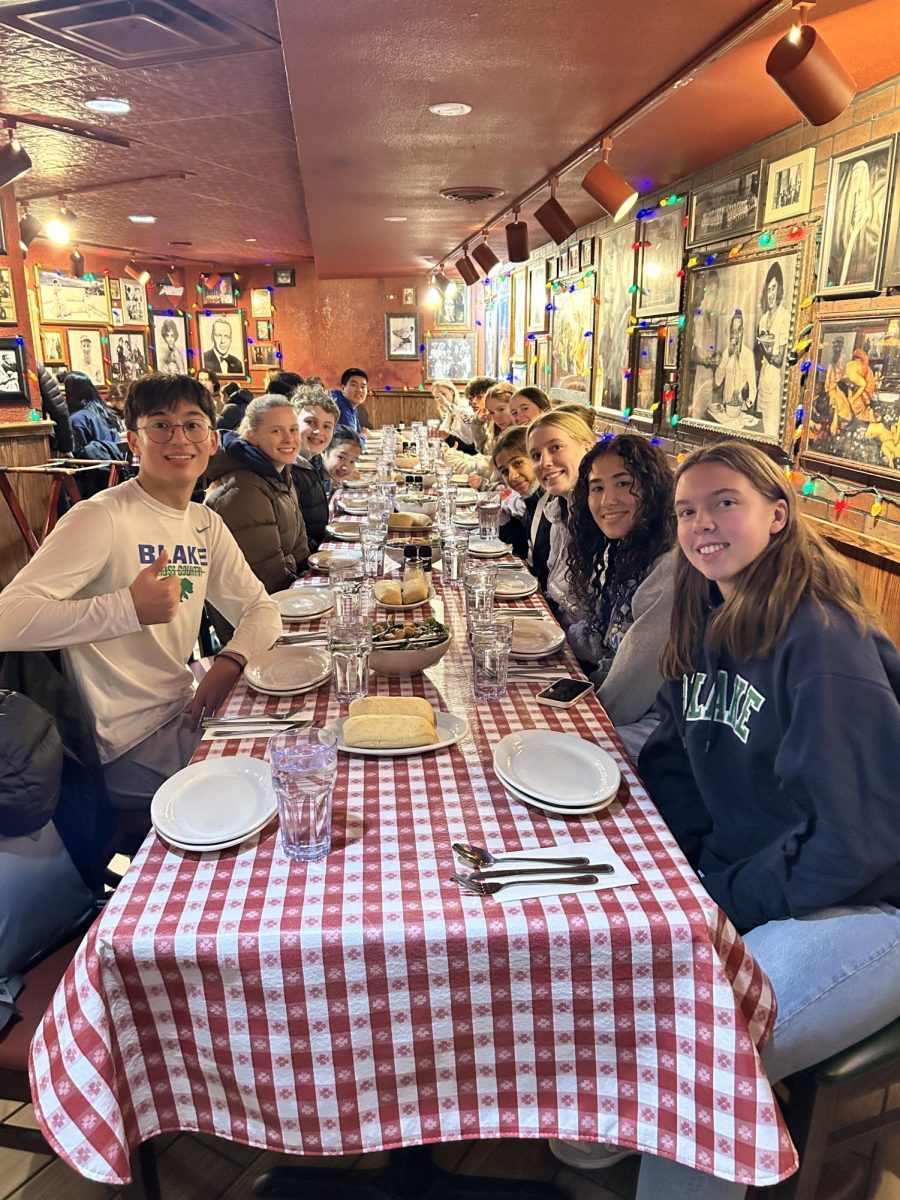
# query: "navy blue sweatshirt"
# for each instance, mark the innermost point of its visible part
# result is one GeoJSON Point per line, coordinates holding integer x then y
{"type": "Point", "coordinates": [779, 776]}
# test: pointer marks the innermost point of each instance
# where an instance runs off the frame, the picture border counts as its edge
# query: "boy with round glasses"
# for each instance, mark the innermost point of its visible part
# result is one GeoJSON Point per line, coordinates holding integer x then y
{"type": "Point", "coordinates": [119, 588]}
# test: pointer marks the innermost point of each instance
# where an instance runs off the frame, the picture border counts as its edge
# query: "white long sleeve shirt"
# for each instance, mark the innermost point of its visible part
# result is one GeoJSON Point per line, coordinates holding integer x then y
{"type": "Point", "coordinates": [74, 596]}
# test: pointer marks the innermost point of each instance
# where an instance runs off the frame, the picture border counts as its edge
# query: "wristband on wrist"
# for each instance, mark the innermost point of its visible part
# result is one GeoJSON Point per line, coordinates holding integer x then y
{"type": "Point", "coordinates": [238, 659]}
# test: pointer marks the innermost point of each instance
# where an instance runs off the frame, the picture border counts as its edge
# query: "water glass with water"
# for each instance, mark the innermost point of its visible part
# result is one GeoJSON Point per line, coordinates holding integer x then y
{"type": "Point", "coordinates": [346, 582]}
{"type": "Point", "coordinates": [490, 645]}
{"type": "Point", "coordinates": [453, 557]}
{"type": "Point", "coordinates": [350, 644]}
{"type": "Point", "coordinates": [488, 509]}
{"type": "Point", "coordinates": [479, 595]}
{"type": "Point", "coordinates": [372, 537]}
{"type": "Point", "coordinates": [304, 767]}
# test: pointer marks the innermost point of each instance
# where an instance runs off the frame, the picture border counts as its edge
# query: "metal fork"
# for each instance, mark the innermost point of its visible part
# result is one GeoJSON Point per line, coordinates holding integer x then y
{"type": "Point", "coordinates": [483, 888]}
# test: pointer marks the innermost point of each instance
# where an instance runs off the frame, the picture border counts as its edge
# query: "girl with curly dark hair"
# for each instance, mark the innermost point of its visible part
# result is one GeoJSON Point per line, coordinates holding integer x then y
{"type": "Point", "coordinates": [621, 562]}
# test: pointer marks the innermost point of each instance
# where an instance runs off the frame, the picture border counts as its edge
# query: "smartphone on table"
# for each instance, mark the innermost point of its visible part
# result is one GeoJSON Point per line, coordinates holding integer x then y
{"type": "Point", "coordinates": [565, 692]}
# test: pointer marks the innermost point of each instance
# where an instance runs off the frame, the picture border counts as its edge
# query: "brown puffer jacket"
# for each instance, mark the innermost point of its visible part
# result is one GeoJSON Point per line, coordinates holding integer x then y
{"type": "Point", "coordinates": [259, 505]}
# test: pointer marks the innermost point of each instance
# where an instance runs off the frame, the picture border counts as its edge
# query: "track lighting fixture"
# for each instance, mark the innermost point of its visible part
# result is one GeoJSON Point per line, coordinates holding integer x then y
{"type": "Point", "coordinates": [467, 268]}
{"type": "Point", "coordinates": [442, 283]}
{"type": "Point", "coordinates": [29, 229]}
{"type": "Point", "coordinates": [517, 239]}
{"type": "Point", "coordinates": [76, 258]}
{"type": "Point", "coordinates": [554, 217]}
{"type": "Point", "coordinates": [14, 159]}
{"type": "Point", "coordinates": [59, 228]}
{"type": "Point", "coordinates": [808, 73]}
{"type": "Point", "coordinates": [485, 257]}
{"type": "Point", "coordinates": [614, 195]}
{"type": "Point", "coordinates": [433, 296]}
{"type": "Point", "coordinates": [132, 271]}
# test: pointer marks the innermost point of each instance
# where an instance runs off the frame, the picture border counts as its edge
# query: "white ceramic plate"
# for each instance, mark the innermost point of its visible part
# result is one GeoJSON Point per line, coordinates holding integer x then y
{"type": "Point", "coordinates": [558, 768]}
{"type": "Point", "coordinates": [288, 669]}
{"type": "Point", "coordinates": [515, 585]}
{"type": "Point", "coordinates": [449, 730]}
{"type": "Point", "coordinates": [304, 603]}
{"type": "Point", "coordinates": [536, 639]}
{"type": "Point", "coordinates": [554, 810]}
{"type": "Point", "coordinates": [216, 803]}
{"type": "Point", "coordinates": [466, 496]}
{"type": "Point", "coordinates": [354, 506]}
{"type": "Point", "coordinates": [406, 607]}
{"type": "Point", "coordinates": [344, 531]}
{"type": "Point", "coordinates": [468, 520]}
{"type": "Point", "coordinates": [204, 848]}
{"type": "Point", "coordinates": [322, 558]}
{"type": "Point", "coordinates": [489, 548]}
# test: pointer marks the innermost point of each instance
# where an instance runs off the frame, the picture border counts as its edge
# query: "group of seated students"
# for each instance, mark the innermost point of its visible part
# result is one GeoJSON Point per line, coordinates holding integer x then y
{"type": "Point", "coordinates": [730, 645]}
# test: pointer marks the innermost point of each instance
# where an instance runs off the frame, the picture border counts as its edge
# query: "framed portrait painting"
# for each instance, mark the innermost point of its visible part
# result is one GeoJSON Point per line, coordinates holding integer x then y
{"type": "Point", "coordinates": [853, 415]}
{"type": "Point", "coordinates": [401, 336]}
{"type": "Point", "coordinates": [537, 297]}
{"type": "Point", "coordinates": [265, 355]}
{"type": "Point", "coordinates": [12, 366]}
{"type": "Point", "coordinates": [133, 304]}
{"type": "Point", "coordinates": [260, 302]}
{"type": "Point", "coordinates": [571, 355]}
{"type": "Point", "coordinates": [86, 354]}
{"type": "Point", "coordinates": [586, 253]}
{"type": "Point", "coordinates": [409, 295]}
{"type": "Point", "coordinates": [223, 345]}
{"type": "Point", "coordinates": [218, 291]}
{"type": "Point", "coordinates": [538, 362]}
{"type": "Point", "coordinates": [169, 333]}
{"type": "Point", "coordinates": [739, 329]}
{"type": "Point", "coordinates": [66, 300]}
{"type": "Point", "coordinates": [646, 375]}
{"type": "Point", "coordinates": [573, 263]}
{"type": "Point", "coordinates": [127, 356]}
{"type": "Point", "coordinates": [661, 238]}
{"type": "Point", "coordinates": [856, 209]}
{"type": "Point", "coordinates": [52, 348]}
{"type": "Point", "coordinates": [284, 277]}
{"type": "Point", "coordinates": [453, 310]}
{"type": "Point", "coordinates": [892, 255]}
{"type": "Point", "coordinates": [263, 330]}
{"type": "Point", "coordinates": [7, 298]}
{"type": "Point", "coordinates": [519, 318]}
{"type": "Point", "coordinates": [726, 208]}
{"type": "Point", "coordinates": [615, 303]}
{"type": "Point", "coordinates": [451, 356]}
{"type": "Point", "coordinates": [789, 185]}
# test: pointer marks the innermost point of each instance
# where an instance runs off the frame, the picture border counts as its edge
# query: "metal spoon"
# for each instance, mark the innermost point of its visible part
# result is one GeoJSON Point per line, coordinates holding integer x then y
{"type": "Point", "coordinates": [479, 857]}
{"type": "Point", "coordinates": [483, 888]}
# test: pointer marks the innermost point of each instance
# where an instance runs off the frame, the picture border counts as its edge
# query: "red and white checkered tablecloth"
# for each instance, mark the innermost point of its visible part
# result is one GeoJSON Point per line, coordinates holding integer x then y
{"type": "Point", "coordinates": [364, 1002]}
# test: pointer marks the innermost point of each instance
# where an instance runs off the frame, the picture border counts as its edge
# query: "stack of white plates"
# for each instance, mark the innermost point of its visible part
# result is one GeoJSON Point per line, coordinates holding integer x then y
{"type": "Point", "coordinates": [533, 638]}
{"type": "Point", "coordinates": [287, 670]}
{"type": "Point", "coordinates": [558, 773]}
{"type": "Point", "coordinates": [489, 547]}
{"type": "Point", "coordinates": [304, 603]}
{"type": "Point", "coordinates": [515, 585]}
{"type": "Point", "coordinates": [214, 804]}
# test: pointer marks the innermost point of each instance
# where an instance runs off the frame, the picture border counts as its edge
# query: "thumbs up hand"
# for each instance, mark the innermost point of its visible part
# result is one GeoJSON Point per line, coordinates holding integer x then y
{"type": "Point", "coordinates": [155, 595]}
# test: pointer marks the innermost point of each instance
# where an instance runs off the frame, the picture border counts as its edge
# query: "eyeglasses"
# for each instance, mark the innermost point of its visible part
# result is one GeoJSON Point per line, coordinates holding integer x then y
{"type": "Point", "coordinates": [164, 431]}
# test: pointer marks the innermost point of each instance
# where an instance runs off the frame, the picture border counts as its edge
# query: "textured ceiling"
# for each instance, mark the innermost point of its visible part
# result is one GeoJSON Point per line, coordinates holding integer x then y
{"type": "Point", "coordinates": [349, 96]}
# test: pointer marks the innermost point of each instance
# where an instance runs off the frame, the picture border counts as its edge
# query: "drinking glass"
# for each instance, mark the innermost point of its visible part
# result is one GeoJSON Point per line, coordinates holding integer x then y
{"type": "Point", "coordinates": [350, 643]}
{"type": "Point", "coordinates": [453, 558]}
{"type": "Point", "coordinates": [479, 599]}
{"type": "Point", "coordinates": [346, 581]}
{"type": "Point", "coordinates": [488, 509]}
{"type": "Point", "coordinates": [490, 644]}
{"type": "Point", "coordinates": [304, 766]}
{"type": "Point", "coordinates": [372, 537]}
{"type": "Point", "coordinates": [477, 568]}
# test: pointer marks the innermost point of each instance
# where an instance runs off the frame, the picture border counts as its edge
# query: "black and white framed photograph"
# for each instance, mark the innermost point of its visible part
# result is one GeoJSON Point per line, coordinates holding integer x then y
{"type": "Point", "coordinates": [646, 374]}
{"type": "Point", "coordinates": [401, 335]}
{"type": "Point", "coordinates": [52, 352]}
{"type": "Point", "coordinates": [538, 315]}
{"type": "Point", "coordinates": [453, 310]}
{"type": "Point", "coordinates": [856, 209]}
{"type": "Point", "coordinates": [409, 295]}
{"type": "Point", "coordinates": [490, 336]}
{"type": "Point", "coordinates": [853, 417]}
{"type": "Point", "coordinates": [616, 301]}
{"type": "Point", "coordinates": [586, 252]}
{"type": "Point", "coordinates": [661, 238]}
{"type": "Point", "coordinates": [223, 343]}
{"type": "Point", "coordinates": [572, 261]}
{"type": "Point", "coordinates": [265, 355]}
{"type": "Point", "coordinates": [12, 366]}
{"type": "Point", "coordinates": [789, 185]}
{"type": "Point", "coordinates": [284, 277]}
{"type": "Point", "coordinates": [127, 356]}
{"type": "Point", "coordinates": [134, 302]}
{"type": "Point", "coordinates": [7, 298]}
{"type": "Point", "coordinates": [452, 356]}
{"type": "Point", "coordinates": [66, 300]}
{"type": "Point", "coordinates": [170, 342]}
{"type": "Point", "coordinates": [263, 330]}
{"type": "Point", "coordinates": [739, 329]}
{"type": "Point", "coordinates": [572, 342]}
{"type": "Point", "coordinates": [891, 276]}
{"type": "Point", "coordinates": [726, 208]}
{"type": "Point", "coordinates": [218, 291]}
{"type": "Point", "coordinates": [671, 337]}
{"type": "Point", "coordinates": [260, 302]}
{"type": "Point", "coordinates": [86, 354]}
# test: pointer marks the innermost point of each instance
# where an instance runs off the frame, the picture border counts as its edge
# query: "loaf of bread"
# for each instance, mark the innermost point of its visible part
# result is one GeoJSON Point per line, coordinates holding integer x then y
{"type": "Point", "coordinates": [392, 706]}
{"type": "Point", "coordinates": [387, 733]}
{"type": "Point", "coordinates": [415, 591]}
{"type": "Point", "coordinates": [388, 592]}
{"type": "Point", "coordinates": [405, 462]}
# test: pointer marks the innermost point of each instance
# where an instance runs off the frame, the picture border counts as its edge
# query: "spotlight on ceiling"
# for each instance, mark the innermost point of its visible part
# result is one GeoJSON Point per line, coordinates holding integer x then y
{"type": "Point", "coordinates": [808, 73]}
{"type": "Point", "coordinates": [441, 282]}
{"type": "Point", "coordinates": [59, 228]}
{"type": "Point", "coordinates": [14, 160]}
{"type": "Point", "coordinates": [467, 268]}
{"type": "Point", "coordinates": [485, 257]}
{"type": "Point", "coordinates": [517, 239]}
{"type": "Point", "coordinates": [29, 229]}
{"type": "Point", "coordinates": [433, 296]}
{"type": "Point", "coordinates": [76, 258]}
{"type": "Point", "coordinates": [554, 217]}
{"type": "Point", "coordinates": [614, 195]}
{"type": "Point", "coordinates": [132, 271]}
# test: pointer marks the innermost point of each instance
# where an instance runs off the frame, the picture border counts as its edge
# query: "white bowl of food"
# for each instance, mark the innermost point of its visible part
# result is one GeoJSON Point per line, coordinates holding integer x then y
{"type": "Point", "coordinates": [406, 647]}
{"type": "Point", "coordinates": [416, 502]}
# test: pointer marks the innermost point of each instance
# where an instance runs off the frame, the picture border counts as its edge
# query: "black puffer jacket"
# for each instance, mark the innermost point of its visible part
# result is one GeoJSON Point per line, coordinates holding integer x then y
{"type": "Point", "coordinates": [31, 759]}
{"type": "Point", "coordinates": [54, 405]}
{"type": "Point", "coordinates": [310, 487]}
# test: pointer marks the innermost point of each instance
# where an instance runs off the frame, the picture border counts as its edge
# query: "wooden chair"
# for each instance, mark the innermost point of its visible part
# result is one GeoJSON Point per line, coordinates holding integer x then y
{"type": "Point", "coordinates": [32, 1002]}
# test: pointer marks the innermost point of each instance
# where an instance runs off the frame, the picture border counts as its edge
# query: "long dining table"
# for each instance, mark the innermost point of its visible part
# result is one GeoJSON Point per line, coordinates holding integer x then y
{"type": "Point", "coordinates": [364, 1002]}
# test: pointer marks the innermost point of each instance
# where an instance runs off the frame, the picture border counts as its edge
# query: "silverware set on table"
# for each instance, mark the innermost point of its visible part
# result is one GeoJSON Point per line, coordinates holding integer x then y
{"type": "Point", "coordinates": [492, 874]}
{"type": "Point", "coordinates": [258, 726]}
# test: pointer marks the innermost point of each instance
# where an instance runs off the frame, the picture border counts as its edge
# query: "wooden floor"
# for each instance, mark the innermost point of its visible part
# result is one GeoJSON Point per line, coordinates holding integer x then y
{"type": "Point", "coordinates": [196, 1167]}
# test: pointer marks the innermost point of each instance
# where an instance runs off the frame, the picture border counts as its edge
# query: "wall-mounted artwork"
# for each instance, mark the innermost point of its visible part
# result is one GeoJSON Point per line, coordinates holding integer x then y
{"type": "Point", "coordinates": [518, 371]}
{"type": "Point", "coordinates": [265, 355]}
{"type": "Point", "coordinates": [409, 295]}
{"type": "Point", "coordinates": [490, 335]}
{"type": "Point", "coordinates": [170, 342]}
{"type": "Point", "coordinates": [218, 291]}
{"type": "Point", "coordinates": [572, 350]}
{"type": "Point", "coordinates": [856, 208]}
{"type": "Point", "coordinates": [52, 348]}
{"type": "Point", "coordinates": [12, 366]}
{"type": "Point", "coordinates": [401, 335]}
{"type": "Point", "coordinates": [789, 185]}
{"type": "Point", "coordinates": [538, 316]}
{"type": "Point", "coordinates": [451, 356]}
{"type": "Point", "coordinates": [453, 310]}
{"type": "Point", "coordinates": [284, 277]}
{"type": "Point", "coordinates": [223, 345]}
{"type": "Point", "coordinates": [503, 292]}
{"type": "Point", "coordinates": [519, 317]}
{"type": "Point", "coordinates": [646, 374]}
{"type": "Point", "coordinates": [853, 416]}
{"type": "Point", "coordinates": [671, 338]}
{"type": "Point", "coordinates": [65, 300]}
{"type": "Point", "coordinates": [740, 318]}
{"type": "Point", "coordinates": [891, 276]}
{"type": "Point", "coordinates": [616, 300]}
{"type": "Point", "coordinates": [538, 362]}
{"type": "Point", "coordinates": [726, 208]}
{"type": "Point", "coordinates": [263, 330]}
{"type": "Point", "coordinates": [586, 253]}
{"type": "Point", "coordinates": [86, 354]}
{"type": "Point", "coordinates": [134, 302]}
{"type": "Point", "coordinates": [661, 236]}
{"type": "Point", "coordinates": [7, 298]}
{"type": "Point", "coordinates": [260, 302]}
{"type": "Point", "coordinates": [127, 356]}
{"type": "Point", "coordinates": [573, 262]}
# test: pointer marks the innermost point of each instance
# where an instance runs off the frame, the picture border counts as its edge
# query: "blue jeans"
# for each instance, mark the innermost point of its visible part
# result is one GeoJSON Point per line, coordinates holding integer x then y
{"type": "Point", "coordinates": [836, 976]}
